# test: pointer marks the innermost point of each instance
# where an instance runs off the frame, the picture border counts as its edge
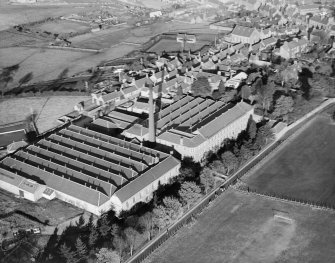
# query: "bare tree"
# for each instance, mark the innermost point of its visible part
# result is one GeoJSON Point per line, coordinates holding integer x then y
{"type": "Point", "coordinates": [131, 235]}
{"type": "Point", "coordinates": [147, 222]}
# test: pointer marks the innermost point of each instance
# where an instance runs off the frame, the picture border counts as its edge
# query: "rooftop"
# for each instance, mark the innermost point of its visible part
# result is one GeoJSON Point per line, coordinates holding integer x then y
{"type": "Point", "coordinates": [85, 164]}
{"type": "Point", "coordinates": [243, 31]}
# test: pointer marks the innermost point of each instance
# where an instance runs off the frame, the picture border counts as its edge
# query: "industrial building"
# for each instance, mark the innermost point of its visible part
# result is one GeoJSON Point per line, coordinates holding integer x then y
{"type": "Point", "coordinates": [194, 126]}
{"type": "Point", "coordinates": [88, 169]}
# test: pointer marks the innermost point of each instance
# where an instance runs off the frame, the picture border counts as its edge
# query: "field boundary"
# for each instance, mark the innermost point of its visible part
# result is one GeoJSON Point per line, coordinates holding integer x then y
{"type": "Point", "coordinates": [247, 190]}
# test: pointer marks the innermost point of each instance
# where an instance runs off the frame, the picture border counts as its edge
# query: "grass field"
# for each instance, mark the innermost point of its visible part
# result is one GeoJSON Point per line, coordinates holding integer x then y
{"type": "Point", "coordinates": [11, 38]}
{"type": "Point", "coordinates": [241, 228]}
{"type": "Point", "coordinates": [170, 45]}
{"type": "Point", "coordinates": [48, 108]}
{"type": "Point", "coordinates": [304, 168]}
{"type": "Point", "coordinates": [11, 15]}
{"type": "Point", "coordinates": [63, 26]}
{"type": "Point", "coordinates": [46, 64]}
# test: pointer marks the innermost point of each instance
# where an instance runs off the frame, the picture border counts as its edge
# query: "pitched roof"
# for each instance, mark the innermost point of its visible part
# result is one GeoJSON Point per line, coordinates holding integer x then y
{"type": "Point", "coordinates": [320, 20]}
{"type": "Point", "coordinates": [243, 31]}
{"type": "Point", "coordinates": [147, 178]}
{"type": "Point", "coordinates": [269, 41]}
{"type": "Point", "coordinates": [10, 137]}
{"type": "Point", "coordinates": [129, 89]}
{"type": "Point", "coordinates": [143, 82]}
{"type": "Point", "coordinates": [9, 177]}
{"type": "Point", "coordinates": [111, 96]}
{"type": "Point", "coordinates": [225, 119]}
{"type": "Point", "coordinates": [12, 127]}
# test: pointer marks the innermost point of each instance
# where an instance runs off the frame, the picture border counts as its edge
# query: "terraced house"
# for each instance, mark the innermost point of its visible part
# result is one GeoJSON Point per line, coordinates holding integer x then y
{"type": "Point", "coordinates": [90, 170]}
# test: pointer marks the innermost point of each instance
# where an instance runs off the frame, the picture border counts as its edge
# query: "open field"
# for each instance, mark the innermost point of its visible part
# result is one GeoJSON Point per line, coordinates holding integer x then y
{"type": "Point", "coordinates": [11, 15]}
{"type": "Point", "coordinates": [239, 227]}
{"type": "Point", "coordinates": [304, 168]}
{"type": "Point", "coordinates": [109, 37]}
{"type": "Point", "coordinates": [48, 108]}
{"type": "Point", "coordinates": [46, 64]}
{"type": "Point", "coordinates": [10, 38]}
{"type": "Point", "coordinates": [63, 26]}
{"type": "Point", "coordinates": [170, 45]}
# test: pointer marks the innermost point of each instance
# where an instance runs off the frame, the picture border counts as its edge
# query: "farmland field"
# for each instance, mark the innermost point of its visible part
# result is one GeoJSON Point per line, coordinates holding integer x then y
{"type": "Point", "coordinates": [49, 109]}
{"type": "Point", "coordinates": [63, 26]}
{"type": "Point", "coordinates": [46, 64]}
{"type": "Point", "coordinates": [304, 168]}
{"type": "Point", "coordinates": [9, 38]}
{"type": "Point", "coordinates": [11, 15]}
{"type": "Point", "coordinates": [112, 36]}
{"type": "Point", "coordinates": [240, 227]}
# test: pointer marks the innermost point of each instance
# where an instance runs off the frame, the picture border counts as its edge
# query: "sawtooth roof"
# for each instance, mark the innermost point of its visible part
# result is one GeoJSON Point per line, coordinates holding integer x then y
{"type": "Point", "coordinates": [86, 165]}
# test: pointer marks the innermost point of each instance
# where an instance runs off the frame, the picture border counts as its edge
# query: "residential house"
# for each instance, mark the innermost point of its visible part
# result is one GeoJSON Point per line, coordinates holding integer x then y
{"type": "Point", "coordinates": [265, 33]}
{"type": "Point", "coordinates": [311, 8]}
{"type": "Point", "coordinates": [155, 14]}
{"type": "Point", "coordinates": [245, 35]}
{"type": "Point", "coordinates": [318, 22]}
{"type": "Point", "coordinates": [293, 48]}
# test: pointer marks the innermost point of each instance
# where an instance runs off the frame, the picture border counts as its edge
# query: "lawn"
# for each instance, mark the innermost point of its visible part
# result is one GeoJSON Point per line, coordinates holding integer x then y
{"type": "Point", "coordinates": [304, 168]}
{"type": "Point", "coordinates": [241, 228]}
{"type": "Point", "coordinates": [49, 109]}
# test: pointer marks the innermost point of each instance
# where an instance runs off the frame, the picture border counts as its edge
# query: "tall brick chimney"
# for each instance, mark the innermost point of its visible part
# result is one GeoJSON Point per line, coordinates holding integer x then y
{"type": "Point", "coordinates": [152, 132]}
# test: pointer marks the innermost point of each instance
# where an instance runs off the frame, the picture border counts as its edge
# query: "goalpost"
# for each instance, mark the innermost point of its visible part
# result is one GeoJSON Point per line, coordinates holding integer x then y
{"type": "Point", "coordinates": [282, 215]}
